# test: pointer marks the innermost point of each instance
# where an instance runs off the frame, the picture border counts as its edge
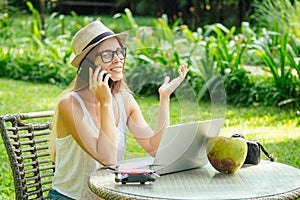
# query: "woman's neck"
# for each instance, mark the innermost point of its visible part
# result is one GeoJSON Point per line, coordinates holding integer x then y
{"type": "Point", "coordinates": [87, 96]}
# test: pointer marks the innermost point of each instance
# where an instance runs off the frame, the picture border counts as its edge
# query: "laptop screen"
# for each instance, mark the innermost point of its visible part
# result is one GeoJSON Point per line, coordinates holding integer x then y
{"type": "Point", "coordinates": [183, 146]}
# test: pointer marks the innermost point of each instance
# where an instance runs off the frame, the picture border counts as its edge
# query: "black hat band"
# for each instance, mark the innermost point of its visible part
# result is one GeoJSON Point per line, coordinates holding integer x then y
{"type": "Point", "coordinates": [98, 38]}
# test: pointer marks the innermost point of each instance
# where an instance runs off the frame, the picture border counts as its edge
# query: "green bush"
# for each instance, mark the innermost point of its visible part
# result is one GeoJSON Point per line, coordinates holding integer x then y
{"type": "Point", "coordinates": [216, 55]}
{"type": "Point", "coordinates": [283, 67]}
{"type": "Point", "coordinates": [227, 50]}
{"type": "Point", "coordinates": [282, 16]}
{"type": "Point", "coordinates": [277, 45]}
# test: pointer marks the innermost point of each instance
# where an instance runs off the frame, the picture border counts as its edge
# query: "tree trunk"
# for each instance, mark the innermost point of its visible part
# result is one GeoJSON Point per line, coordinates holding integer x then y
{"type": "Point", "coordinates": [244, 6]}
{"type": "Point", "coordinates": [196, 13]}
{"type": "Point", "coordinates": [42, 14]}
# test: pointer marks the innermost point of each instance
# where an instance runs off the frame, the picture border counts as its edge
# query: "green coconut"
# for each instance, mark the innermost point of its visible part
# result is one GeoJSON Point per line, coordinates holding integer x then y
{"type": "Point", "coordinates": [226, 154]}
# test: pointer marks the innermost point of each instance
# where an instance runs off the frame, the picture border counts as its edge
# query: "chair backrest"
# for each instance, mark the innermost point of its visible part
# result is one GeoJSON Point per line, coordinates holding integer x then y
{"type": "Point", "coordinates": [26, 140]}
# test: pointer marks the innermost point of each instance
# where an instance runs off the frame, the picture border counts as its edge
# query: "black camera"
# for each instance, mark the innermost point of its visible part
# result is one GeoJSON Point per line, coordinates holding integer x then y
{"type": "Point", "coordinates": [253, 154]}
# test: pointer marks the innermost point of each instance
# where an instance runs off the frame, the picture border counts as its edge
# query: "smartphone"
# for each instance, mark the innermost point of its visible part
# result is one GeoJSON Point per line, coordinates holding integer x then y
{"type": "Point", "coordinates": [84, 71]}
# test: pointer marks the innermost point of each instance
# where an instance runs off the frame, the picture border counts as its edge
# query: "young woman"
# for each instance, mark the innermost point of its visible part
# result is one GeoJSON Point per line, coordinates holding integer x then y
{"type": "Point", "coordinates": [91, 118]}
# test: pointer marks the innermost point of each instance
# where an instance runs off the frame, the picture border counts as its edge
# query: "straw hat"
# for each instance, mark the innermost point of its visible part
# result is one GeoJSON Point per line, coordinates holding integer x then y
{"type": "Point", "coordinates": [88, 37]}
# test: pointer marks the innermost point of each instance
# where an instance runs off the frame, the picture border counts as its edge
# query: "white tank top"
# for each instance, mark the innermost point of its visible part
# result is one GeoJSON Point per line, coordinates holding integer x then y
{"type": "Point", "coordinates": [73, 165]}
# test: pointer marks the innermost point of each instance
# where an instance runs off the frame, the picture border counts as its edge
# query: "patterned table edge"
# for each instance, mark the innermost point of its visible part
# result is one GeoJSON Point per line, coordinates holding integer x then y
{"type": "Point", "coordinates": [110, 194]}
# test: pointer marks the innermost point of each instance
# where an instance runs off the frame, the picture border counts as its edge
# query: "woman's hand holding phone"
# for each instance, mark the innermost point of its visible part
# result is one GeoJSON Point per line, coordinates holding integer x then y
{"type": "Point", "coordinates": [99, 84]}
{"type": "Point", "coordinates": [83, 72]}
{"type": "Point", "coordinates": [98, 79]}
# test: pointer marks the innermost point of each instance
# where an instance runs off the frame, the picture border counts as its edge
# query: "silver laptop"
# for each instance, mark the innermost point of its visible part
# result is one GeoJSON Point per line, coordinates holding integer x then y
{"type": "Point", "coordinates": [182, 147]}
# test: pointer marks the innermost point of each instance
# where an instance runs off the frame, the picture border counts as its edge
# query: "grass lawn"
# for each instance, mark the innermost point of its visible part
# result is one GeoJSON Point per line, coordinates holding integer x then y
{"type": "Point", "coordinates": [277, 129]}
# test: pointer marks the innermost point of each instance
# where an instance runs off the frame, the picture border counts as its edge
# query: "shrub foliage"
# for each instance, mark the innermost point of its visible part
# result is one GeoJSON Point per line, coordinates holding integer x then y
{"type": "Point", "coordinates": [217, 56]}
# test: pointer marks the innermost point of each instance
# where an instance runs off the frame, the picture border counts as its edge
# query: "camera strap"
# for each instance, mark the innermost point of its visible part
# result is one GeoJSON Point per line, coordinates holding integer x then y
{"type": "Point", "coordinates": [265, 152]}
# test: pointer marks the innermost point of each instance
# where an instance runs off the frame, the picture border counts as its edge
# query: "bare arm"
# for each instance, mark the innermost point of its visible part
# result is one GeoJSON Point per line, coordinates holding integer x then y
{"type": "Point", "coordinates": [148, 139]}
{"type": "Point", "coordinates": [106, 146]}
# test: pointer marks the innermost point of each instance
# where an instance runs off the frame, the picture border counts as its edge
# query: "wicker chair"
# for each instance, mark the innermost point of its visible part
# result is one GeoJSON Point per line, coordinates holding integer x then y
{"type": "Point", "coordinates": [26, 140]}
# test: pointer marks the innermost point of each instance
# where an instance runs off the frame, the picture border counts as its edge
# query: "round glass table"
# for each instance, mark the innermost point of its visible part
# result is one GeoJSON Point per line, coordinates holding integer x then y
{"type": "Point", "coordinates": [267, 180]}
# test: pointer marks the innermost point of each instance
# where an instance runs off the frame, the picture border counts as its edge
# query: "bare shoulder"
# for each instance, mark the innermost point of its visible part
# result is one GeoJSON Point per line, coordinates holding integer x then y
{"type": "Point", "coordinates": [130, 103]}
{"type": "Point", "coordinates": [65, 103]}
{"type": "Point", "coordinates": [64, 116]}
{"type": "Point", "coordinates": [67, 106]}
{"type": "Point", "coordinates": [128, 99]}
{"type": "Point", "coordinates": [126, 95]}
{"type": "Point", "coordinates": [66, 109]}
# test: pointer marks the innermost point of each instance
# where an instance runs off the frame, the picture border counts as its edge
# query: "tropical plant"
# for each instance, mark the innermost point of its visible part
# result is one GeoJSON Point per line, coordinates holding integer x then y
{"type": "Point", "coordinates": [284, 66]}
{"type": "Point", "coordinates": [227, 50]}
{"type": "Point", "coordinates": [158, 51]}
{"type": "Point", "coordinates": [154, 52]}
{"type": "Point", "coordinates": [277, 15]}
{"type": "Point", "coordinates": [29, 55]}
{"type": "Point", "coordinates": [36, 28]}
{"type": "Point", "coordinates": [215, 55]}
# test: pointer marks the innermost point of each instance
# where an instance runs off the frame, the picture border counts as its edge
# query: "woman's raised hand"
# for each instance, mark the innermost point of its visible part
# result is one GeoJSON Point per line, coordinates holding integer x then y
{"type": "Point", "coordinates": [168, 87]}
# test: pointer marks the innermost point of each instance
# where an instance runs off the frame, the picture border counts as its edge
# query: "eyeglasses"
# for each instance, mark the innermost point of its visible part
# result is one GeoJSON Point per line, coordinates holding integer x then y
{"type": "Point", "coordinates": [108, 55]}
